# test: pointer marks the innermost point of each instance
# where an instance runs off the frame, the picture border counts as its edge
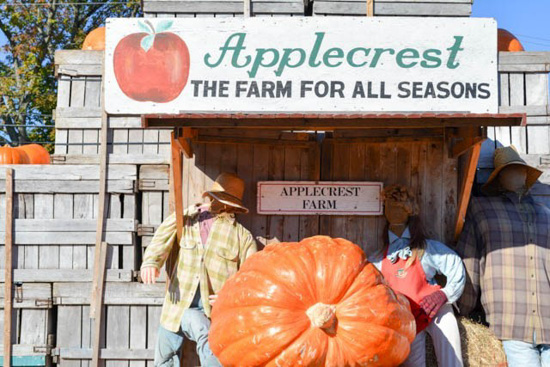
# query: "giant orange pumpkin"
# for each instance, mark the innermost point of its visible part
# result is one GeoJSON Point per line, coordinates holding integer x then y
{"type": "Point", "coordinates": [9, 155]}
{"type": "Point", "coordinates": [508, 42]}
{"type": "Point", "coordinates": [313, 303]}
{"type": "Point", "coordinates": [37, 153]}
{"type": "Point", "coordinates": [95, 40]}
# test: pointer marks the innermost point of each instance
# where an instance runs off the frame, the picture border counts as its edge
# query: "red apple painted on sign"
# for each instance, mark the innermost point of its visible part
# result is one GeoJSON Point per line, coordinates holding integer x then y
{"type": "Point", "coordinates": [152, 66]}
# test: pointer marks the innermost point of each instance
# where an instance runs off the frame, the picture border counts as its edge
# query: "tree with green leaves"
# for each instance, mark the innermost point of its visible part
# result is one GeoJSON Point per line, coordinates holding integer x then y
{"type": "Point", "coordinates": [30, 33]}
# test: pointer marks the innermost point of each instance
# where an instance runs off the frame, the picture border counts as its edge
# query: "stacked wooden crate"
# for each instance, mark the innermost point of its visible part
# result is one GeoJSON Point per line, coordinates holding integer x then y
{"type": "Point", "coordinates": [431, 8]}
{"type": "Point", "coordinates": [222, 8]}
{"type": "Point", "coordinates": [524, 88]}
{"type": "Point", "coordinates": [78, 118]}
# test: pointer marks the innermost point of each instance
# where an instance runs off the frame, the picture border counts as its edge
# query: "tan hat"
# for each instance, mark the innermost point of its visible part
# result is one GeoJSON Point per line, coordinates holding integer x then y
{"type": "Point", "coordinates": [508, 156]}
{"type": "Point", "coordinates": [228, 189]}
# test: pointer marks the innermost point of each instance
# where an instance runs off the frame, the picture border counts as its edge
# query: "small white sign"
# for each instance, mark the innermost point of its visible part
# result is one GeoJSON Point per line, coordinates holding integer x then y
{"type": "Point", "coordinates": [305, 64]}
{"type": "Point", "coordinates": [319, 198]}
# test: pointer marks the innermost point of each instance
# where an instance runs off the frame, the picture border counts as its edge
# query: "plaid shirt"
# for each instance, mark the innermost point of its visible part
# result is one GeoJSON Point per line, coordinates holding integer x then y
{"type": "Point", "coordinates": [210, 265]}
{"type": "Point", "coordinates": [506, 250]}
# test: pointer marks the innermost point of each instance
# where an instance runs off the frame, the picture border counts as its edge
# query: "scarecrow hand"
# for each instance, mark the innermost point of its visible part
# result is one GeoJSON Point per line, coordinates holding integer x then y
{"type": "Point", "coordinates": [433, 302]}
{"type": "Point", "coordinates": [212, 299]}
{"type": "Point", "coordinates": [149, 275]}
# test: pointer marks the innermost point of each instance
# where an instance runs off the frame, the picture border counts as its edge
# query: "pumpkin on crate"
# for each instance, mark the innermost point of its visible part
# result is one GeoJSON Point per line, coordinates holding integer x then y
{"type": "Point", "coordinates": [317, 302]}
{"type": "Point", "coordinates": [507, 42]}
{"type": "Point", "coordinates": [9, 155]}
{"type": "Point", "coordinates": [95, 40]}
{"type": "Point", "coordinates": [37, 153]}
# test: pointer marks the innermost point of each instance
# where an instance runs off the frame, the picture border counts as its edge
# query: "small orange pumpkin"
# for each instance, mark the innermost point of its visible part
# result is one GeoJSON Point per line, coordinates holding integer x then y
{"type": "Point", "coordinates": [9, 155]}
{"type": "Point", "coordinates": [508, 42]}
{"type": "Point", "coordinates": [95, 40]}
{"type": "Point", "coordinates": [37, 153]}
{"type": "Point", "coordinates": [313, 303]}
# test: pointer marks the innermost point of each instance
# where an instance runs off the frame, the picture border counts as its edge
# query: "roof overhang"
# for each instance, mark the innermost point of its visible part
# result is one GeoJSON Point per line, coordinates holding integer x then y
{"type": "Point", "coordinates": [316, 121]}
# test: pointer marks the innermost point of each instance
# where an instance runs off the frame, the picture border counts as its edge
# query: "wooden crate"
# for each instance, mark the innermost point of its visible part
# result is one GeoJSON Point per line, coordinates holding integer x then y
{"type": "Point", "coordinates": [154, 189]}
{"type": "Point", "coordinates": [32, 323]}
{"type": "Point", "coordinates": [222, 8]}
{"type": "Point", "coordinates": [431, 8]}
{"type": "Point", "coordinates": [523, 84]}
{"type": "Point", "coordinates": [78, 118]}
{"type": "Point", "coordinates": [131, 320]}
{"type": "Point", "coordinates": [56, 211]}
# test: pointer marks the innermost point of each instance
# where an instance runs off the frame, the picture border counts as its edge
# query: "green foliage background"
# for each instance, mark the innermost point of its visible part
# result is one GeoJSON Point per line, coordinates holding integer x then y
{"type": "Point", "coordinates": [30, 33]}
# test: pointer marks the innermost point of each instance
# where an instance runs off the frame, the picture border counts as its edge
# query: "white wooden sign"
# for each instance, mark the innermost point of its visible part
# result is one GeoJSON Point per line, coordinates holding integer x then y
{"type": "Point", "coordinates": [319, 198]}
{"type": "Point", "coordinates": [307, 64]}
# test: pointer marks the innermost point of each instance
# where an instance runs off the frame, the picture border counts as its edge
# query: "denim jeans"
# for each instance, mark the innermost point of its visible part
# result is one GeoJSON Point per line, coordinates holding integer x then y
{"type": "Point", "coordinates": [194, 326]}
{"type": "Point", "coordinates": [522, 354]}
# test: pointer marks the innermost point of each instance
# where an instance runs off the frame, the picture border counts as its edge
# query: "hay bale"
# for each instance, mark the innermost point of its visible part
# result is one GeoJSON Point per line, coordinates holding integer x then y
{"type": "Point", "coordinates": [480, 347]}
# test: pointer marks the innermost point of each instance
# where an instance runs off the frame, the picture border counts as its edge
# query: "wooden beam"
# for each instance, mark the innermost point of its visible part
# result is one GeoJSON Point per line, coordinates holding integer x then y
{"type": "Point", "coordinates": [178, 200]}
{"type": "Point", "coordinates": [466, 189]}
{"type": "Point", "coordinates": [463, 138]}
{"type": "Point", "coordinates": [8, 268]}
{"type": "Point", "coordinates": [331, 122]}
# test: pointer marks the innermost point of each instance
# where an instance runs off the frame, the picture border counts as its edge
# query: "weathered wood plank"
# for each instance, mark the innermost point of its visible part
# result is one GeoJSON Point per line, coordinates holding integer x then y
{"type": "Point", "coordinates": [116, 293]}
{"type": "Point", "coordinates": [69, 330]}
{"type": "Point", "coordinates": [118, 332]}
{"type": "Point", "coordinates": [71, 225]}
{"type": "Point", "coordinates": [222, 7]}
{"type": "Point", "coordinates": [517, 89]}
{"type": "Point", "coordinates": [87, 159]}
{"type": "Point", "coordinates": [66, 172]}
{"type": "Point", "coordinates": [403, 9]}
{"type": "Point", "coordinates": [65, 238]}
{"type": "Point", "coordinates": [524, 58]}
{"type": "Point", "coordinates": [77, 187]}
{"type": "Point", "coordinates": [538, 138]}
{"type": "Point", "coordinates": [536, 90]}
{"type": "Point", "coordinates": [138, 331]}
{"type": "Point", "coordinates": [66, 275]}
{"type": "Point", "coordinates": [78, 57]}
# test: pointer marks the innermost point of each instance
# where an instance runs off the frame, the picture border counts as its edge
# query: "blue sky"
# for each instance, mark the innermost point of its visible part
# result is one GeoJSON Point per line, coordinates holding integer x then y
{"type": "Point", "coordinates": [528, 20]}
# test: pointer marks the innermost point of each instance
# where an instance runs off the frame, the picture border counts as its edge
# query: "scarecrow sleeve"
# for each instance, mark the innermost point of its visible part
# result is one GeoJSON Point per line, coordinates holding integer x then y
{"type": "Point", "coordinates": [468, 247]}
{"type": "Point", "coordinates": [158, 250]}
{"type": "Point", "coordinates": [248, 247]}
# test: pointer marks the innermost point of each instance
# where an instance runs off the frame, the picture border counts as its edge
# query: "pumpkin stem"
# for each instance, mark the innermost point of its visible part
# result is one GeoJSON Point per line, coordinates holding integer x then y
{"type": "Point", "coordinates": [323, 316]}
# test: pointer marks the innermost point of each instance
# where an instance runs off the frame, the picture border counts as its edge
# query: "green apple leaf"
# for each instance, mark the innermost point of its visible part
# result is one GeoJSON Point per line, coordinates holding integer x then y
{"type": "Point", "coordinates": [147, 42]}
{"type": "Point", "coordinates": [144, 27]}
{"type": "Point", "coordinates": [164, 25]}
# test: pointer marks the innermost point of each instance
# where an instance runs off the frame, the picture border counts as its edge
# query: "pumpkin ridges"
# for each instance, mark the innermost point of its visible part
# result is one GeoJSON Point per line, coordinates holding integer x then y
{"type": "Point", "coordinates": [350, 258]}
{"type": "Point", "coordinates": [309, 349]}
{"type": "Point", "coordinates": [37, 153]}
{"type": "Point", "coordinates": [277, 331]}
{"type": "Point", "coordinates": [9, 155]}
{"type": "Point", "coordinates": [293, 269]}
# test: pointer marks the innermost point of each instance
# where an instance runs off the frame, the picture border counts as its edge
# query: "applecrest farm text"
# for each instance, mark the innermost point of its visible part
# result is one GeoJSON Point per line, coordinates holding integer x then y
{"type": "Point", "coordinates": [327, 198]}
{"type": "Point", "coordinates": [261, 62]}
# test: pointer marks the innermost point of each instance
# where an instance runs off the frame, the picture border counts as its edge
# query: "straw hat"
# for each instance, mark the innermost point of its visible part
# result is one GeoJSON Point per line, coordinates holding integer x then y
{"type": "Point", "coordinates": [402, 196]}
{"type": "Point", "coordinates": [228, 189]}
{"type": "Point", "coordinates": [508, 156]}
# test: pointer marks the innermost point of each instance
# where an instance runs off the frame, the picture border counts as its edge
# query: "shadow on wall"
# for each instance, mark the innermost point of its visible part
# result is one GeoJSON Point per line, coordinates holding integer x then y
{"type": "Point", "coordinates": [540, 191]}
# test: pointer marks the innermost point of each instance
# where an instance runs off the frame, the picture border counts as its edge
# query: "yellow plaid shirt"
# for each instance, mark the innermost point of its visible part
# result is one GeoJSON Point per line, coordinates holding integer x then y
{"type": "Point", "coordinates": [210, 265]}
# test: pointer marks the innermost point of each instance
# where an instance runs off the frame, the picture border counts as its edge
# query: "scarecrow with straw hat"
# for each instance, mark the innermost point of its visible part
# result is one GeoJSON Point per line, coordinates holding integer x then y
{"type": "Point", "coordinates": [213, 247]}
{"type": "Point", "coordinates": [505, 246]}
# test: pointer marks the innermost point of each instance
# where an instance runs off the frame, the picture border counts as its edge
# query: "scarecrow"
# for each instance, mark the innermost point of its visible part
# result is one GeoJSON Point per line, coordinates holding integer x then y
{"type": "Point", "coordinates": [505, 245]}
{"type": "Point", "coordinates": [409, 264]}
{"type": "Point", "coordinates": [213, 247]}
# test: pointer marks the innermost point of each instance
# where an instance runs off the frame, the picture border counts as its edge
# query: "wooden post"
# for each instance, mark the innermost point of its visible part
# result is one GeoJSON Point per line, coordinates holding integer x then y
{"type": "Point", "coordinates": [246, 9]}
{"type": "Point", "coordinates": [102, 199]}
{"type": "Point", "coordinates": [96, 343]}
{"type": "Point", "coordinates": [8, 267]}
{"type": "Point", "coordinates": [100, 251]}
{"type": "Point", "coordinates": [370, 8]}
{"type": "Point", "coordinates": [466, 189]}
